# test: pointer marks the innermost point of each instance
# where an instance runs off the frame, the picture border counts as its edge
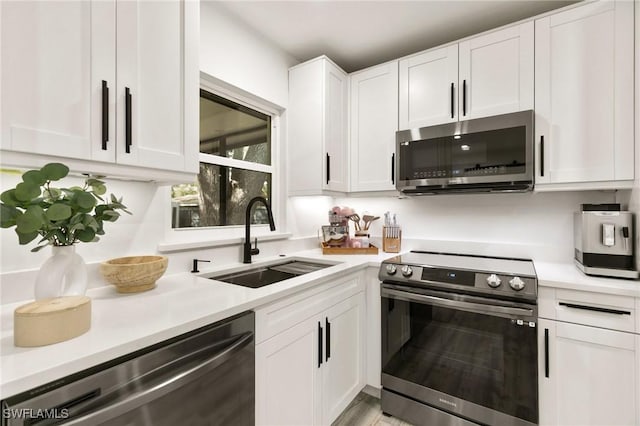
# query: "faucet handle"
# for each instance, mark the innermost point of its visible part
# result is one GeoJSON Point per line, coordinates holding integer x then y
{"type": "Point", "coordinates": [195, 265]}
{"type": "Point", "coordinates": [255, 242]}
{"type": "Point", "coordinates": [255, 250]}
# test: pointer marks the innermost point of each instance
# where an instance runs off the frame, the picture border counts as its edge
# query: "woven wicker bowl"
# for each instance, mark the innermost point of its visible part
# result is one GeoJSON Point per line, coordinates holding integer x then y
{"type": "Point", "coordinates": [134, 274]}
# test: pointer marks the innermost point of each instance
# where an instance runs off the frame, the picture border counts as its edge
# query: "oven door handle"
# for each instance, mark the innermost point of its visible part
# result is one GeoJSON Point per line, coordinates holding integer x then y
{"type": "Point", "coordinates": [116, 404]}
{"type": "Point", "coordinates": [481, 308]}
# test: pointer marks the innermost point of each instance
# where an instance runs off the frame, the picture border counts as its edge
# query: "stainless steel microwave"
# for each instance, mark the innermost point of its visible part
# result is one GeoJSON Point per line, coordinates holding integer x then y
{"type": "Point", "coordinates": [493, 154]}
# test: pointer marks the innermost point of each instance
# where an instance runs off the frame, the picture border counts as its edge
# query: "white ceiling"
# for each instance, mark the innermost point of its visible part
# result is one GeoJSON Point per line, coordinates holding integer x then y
{"type": "Point", "coordinates": [358, 34]}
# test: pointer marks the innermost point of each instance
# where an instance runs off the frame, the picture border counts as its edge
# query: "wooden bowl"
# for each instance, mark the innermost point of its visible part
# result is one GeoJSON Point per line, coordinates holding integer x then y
{"type": "Point", "coordinates": [134, 274]}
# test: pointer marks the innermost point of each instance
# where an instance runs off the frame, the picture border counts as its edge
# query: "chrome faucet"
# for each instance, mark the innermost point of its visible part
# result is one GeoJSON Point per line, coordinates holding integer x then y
{"type": "Point", "coordinates": [248, 251]}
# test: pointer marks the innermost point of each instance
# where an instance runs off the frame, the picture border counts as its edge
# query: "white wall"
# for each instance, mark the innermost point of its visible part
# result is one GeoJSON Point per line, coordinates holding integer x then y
{"type": "Point", "coordinates": [537, 225]}
{"type": "Point", "coordinates": [236, 54]}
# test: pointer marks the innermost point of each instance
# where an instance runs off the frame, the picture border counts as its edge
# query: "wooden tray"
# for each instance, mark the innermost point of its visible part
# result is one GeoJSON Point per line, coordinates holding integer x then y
{"type": "Point", "coordinates": [349, 250]}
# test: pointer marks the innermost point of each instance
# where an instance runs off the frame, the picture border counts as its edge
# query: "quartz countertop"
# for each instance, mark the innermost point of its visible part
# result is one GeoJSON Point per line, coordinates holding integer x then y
{"type": "Point", "coordinates": [123, 323]}
{"type": "Point", "coordinates": [568, 276]}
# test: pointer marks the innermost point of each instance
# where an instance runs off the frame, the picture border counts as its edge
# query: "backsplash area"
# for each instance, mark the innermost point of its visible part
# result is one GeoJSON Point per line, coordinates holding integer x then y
{"type": "Point", "coordinates": [536, 225]}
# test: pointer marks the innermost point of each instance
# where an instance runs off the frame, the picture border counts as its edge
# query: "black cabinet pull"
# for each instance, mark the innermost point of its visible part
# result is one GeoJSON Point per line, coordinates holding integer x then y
{"type": "Point", "coordinates": [452, 101]}
{"type": "Point", "coordinates": [546, 352]}
{"type": "Point", "coordinates": [105, 115]}
{"type": "Point", "coordinates": [464, 97]}
{"type": "Point", "coordinates": [328, 168]}
{"type": "Point", "coordinates": [328, 326]}
{"type": "Point", "coordinates": [541, 155]}
{"type": "Point", "coordinates": [595, 309]}
{"type": "Point", "coordinates": [127, 120]}
{"type": "Point", "coordinates": [393, 169]}
{"type": "Point", "coordinates": [319, 344]}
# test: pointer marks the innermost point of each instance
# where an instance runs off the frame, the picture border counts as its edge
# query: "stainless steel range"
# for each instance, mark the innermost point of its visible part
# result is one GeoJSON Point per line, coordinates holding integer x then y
{"type": "Point", "coordinates": [459, 339]}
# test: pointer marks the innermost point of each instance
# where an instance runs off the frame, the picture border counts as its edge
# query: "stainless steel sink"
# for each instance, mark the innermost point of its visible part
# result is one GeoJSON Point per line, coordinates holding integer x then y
{"type": "Point", "coordinates": [270, 274]}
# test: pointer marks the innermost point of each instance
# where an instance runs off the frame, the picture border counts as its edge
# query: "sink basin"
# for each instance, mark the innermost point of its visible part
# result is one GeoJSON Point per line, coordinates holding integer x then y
{"type": "Point", "coordinates": [270, 274]}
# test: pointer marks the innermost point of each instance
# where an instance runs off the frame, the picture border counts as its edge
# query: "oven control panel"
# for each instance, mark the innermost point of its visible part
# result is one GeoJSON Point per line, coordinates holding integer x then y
{"type": "Point", "coordinates": [487, 283]}
{"type": "Point", "coordinates": [506, 284]}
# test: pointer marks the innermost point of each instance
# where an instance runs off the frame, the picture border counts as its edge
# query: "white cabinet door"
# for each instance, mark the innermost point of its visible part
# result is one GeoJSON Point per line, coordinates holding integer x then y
{"type": "Point", "coordinates": [591, 375]}
{"type": "Point", "coordinates": [427, 88]}
{"type": "Point", "coordinates": [373, 126]}
{"type": "Point", "coordinates": [317, 128]}
{"type": "Point", "coordinates": [343, 374]}
{"type": "Point", "coordinates": [54, 58]}
{"type": "Point", "coordinates": [151, 93]}
{"type": "Point", "coordinates": [335, 128]}
{"type": "Point", "coordinates": [583, 96]}
{"type": "Point", "coordinates": [288, 377]}
{"type": "Point", "coordinates": [496, 73]}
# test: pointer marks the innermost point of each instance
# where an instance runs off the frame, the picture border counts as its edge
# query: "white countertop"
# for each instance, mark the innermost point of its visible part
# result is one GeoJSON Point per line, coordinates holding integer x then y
{"type": "Point", "coordinates": [183, 302]}
{"type": "Point", "coordinates": [123, 323]}
{"type": "Point", "coordinates": [568, 276]}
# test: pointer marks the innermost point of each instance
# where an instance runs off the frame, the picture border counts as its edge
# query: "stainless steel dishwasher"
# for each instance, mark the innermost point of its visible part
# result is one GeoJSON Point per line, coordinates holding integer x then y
{"type": "Point", "coordinates": [205, 377]}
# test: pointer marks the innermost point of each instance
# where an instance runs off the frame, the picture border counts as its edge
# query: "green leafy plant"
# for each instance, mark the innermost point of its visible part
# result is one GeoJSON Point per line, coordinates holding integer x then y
{"type": "Point", "coordinates": [61, 216]}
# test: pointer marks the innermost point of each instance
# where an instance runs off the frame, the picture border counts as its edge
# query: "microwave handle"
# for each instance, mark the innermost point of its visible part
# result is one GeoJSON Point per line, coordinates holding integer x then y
{"type": "Point", "coordinates": [493, 310]}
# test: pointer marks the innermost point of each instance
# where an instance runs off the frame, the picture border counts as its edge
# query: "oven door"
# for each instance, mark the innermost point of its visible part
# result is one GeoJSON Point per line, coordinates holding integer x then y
{"type": "Point", "coordinates": [466, 355]}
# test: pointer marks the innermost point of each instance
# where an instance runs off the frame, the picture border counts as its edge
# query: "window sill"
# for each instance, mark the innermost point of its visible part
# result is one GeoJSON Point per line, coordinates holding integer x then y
{"type": "Point", "coordinates": [172, 247]}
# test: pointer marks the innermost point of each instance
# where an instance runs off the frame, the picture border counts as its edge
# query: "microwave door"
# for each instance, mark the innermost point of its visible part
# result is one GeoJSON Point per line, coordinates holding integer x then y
{"type": "Point", "coordinates": [425, 162]}
{"type": "Point", "coordinates": [483, 156]}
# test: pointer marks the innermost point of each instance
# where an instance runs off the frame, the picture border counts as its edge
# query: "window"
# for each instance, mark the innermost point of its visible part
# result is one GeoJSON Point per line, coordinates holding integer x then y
{"type": "Point", "coordinates": [235, 166]}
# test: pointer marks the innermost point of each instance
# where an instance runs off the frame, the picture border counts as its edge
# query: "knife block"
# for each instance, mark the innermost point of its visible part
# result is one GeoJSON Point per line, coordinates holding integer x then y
{"type": "Point", "coordinates": [391, 238]}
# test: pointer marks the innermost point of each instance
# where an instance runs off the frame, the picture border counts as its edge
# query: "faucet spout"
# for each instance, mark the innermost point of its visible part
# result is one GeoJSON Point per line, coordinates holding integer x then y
{"type": "Point", "coordinates": [248, 251]}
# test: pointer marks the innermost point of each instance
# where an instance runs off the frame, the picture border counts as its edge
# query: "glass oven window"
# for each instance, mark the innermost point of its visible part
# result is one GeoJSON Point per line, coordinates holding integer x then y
{"type": "Point", "coordinates": [490, 361]}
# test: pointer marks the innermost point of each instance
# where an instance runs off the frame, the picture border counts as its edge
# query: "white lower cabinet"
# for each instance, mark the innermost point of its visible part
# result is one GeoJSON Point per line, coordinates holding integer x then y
{"type": "Point", "coordinates": [288, 378]}
{"type": "Point", "coordinates": [343, 373]}
{"type": "Point", "coordinates": [588, 375]}
{"type": "Point", "coordinates": [309, 373]}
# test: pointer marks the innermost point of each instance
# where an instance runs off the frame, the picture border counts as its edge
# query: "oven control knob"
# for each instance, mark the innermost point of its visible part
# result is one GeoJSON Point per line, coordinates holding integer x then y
{"type": "Point", "coordinates": [406, 270]}
{"type": "Point", "coordinates": [391, 269]}
{"type": "Point", "coordinates": [516, 283]}
{"type": "Point", "coordinates": [494, 281]}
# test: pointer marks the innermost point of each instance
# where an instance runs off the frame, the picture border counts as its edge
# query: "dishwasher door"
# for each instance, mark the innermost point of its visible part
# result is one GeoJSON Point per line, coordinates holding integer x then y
{"type": "Point", "coordinates": [205, 377]}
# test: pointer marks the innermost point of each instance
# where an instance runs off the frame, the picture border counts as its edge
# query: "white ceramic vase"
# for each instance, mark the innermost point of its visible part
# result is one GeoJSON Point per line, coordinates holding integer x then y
{"type": "Point", "coordinates": [63, 274]}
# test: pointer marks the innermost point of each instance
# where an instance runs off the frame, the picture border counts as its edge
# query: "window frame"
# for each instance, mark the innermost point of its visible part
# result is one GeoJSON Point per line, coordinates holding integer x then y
{"type": "Point", "coordinates": [215, 235]}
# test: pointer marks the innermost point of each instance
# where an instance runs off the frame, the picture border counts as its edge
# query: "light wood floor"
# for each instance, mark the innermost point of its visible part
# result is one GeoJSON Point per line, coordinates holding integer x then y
{"type": "Point", "coordinates": [365, 411]}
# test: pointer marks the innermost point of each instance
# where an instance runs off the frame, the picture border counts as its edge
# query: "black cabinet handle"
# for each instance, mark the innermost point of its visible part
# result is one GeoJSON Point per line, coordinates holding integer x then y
{"type": "Point", "coordinates": [452, 101]}
{"type": "Point", "coordinates": [541, 155]}
{"type": "Point", "coordinates": [464, 97]}
{"type": "Point", "coordinates": [393, 168]}
{"type": "Point", "coordinates": [127, 120]}
{"type": "Point", "coordinates": [328, 326]}
{"type": "Point", "coordinates": [319, 344]}
{"type": "Point", "coordinates": [105, 115]}
{"type": "Point", "coordinates": [546, 352]}
{"type": "Point", "coordinates": [594, 308]}
{"type": "Point", "coordinates": [328, 168]}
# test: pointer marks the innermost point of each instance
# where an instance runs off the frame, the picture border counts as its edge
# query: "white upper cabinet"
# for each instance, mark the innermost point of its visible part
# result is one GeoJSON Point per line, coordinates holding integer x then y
{"type": "Point", "coordinates": [496, 72]}
{"type": "Point", "coordinates": [373, 126]}
{"type": "Point", "coordinates": [427, 86]}
{"type": "Point", "coordinates": [486, 75]}
{"type": "Point", "coordinates": [52, 83]}
{"type": "Point", "coordinates": [584, 95]}
{"type": "Point", "coordinates": [317, 123]}
{"type": "Point", "coordinates": [64, 84]}
{"type": "Point", "coordinates": [151, 59]}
